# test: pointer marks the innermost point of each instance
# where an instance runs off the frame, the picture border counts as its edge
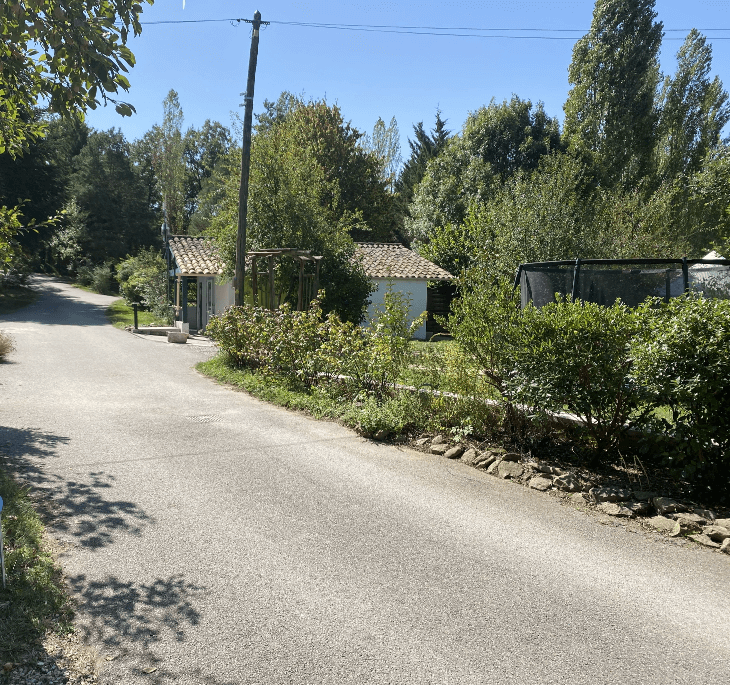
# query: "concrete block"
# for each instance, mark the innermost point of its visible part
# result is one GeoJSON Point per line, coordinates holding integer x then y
{"type": "Point", "coordinates": [177, 337]}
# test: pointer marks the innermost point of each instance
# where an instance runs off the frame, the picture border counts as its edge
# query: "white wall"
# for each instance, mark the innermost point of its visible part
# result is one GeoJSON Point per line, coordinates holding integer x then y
{"type": "Point", "coordinates": [224, 295]}
{"type": "Point", "coordinates": [412, 287]}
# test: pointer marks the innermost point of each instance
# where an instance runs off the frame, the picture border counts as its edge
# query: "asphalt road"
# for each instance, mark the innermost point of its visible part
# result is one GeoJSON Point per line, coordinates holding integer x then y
{"type": "Point", "coordinates": [223, 540]}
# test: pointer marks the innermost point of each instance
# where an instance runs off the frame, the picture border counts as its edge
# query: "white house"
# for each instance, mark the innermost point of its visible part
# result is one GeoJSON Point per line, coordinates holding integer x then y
{"type": "Point", "coordinates": [407, 271]}
{"type": "Point", "coordinates": [195, 259]}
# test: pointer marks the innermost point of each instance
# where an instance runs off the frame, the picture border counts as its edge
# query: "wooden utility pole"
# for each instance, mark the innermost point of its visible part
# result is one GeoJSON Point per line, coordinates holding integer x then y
{"type": "Point", "coordinates": [246, 161]}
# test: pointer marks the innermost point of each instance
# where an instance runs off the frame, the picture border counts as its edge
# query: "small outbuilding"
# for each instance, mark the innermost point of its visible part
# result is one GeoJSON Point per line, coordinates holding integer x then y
{"type": "Point", "coordinates": [408, 272]}
{"type": "Point", "coordinates": [195, 260]}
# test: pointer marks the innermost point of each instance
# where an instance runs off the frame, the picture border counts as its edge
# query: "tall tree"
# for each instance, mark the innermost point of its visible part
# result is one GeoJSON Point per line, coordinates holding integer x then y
{"type": "Point", "coordinates": [110, 195]}
{"type": "Point", "coordinates": [424, 147]}
{"type": "Point", "coordinates": [610, 111]}
{"type": "Point", "coordinates": [203, 150]}
{"type": "Point", "coordinates": [496, 142]}
{"type": "Point", "coordinates": [693, 111]}
{"type": "Point", "coordinates": [170, 163]}
{"type": "Point", "coordinates": [385, 145]}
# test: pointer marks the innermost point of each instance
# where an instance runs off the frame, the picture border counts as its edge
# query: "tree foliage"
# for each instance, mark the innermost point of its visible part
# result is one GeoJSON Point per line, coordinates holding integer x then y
{"type": "Point", "coordinates": [109, 192]}
{"type": "Point", "coordinates": [72, 53]}
{"type": "Point", "coordinates": [610, 111]}
{"type": "Point", "coordinates": [384, 143]}
{"type": "Point", "coordinates": [693, 111]}
{"type": "Point", "coordinates": [304, 193]}
{"type": "Point", "coordinates": [496, 141]}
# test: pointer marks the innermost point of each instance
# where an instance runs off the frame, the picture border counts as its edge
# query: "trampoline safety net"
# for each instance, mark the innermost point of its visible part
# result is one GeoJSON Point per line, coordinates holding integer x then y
{"type": "Point", "coordinates": [630, 280]}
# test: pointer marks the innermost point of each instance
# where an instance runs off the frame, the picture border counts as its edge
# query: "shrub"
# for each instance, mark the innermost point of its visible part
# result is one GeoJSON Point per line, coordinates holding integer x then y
{"type": "Point", "coordinates": [6, 344]}
{"type": "Point", "coordinates": [682, 363]}
{"type": "Point", "coordinates": [482, 322]}
{"type": "Point", "coordinates": [102, 279]}
{"type": "Point", "coordinates": [574, 356]}
{"type": "Point", "coordinates": [99, 278]}
{"type": "Point", "coordinates": [143, 279]}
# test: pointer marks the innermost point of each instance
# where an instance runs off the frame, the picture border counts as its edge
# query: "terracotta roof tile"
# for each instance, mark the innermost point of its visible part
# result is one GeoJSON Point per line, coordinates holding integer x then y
{"type": "Point", "coordinates": [393, 260]}
{"type": "Point", "coordinates": [195, 256]}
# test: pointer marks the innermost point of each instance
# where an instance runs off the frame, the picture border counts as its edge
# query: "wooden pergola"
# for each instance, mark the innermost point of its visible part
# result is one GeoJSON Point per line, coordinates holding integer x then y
{"type": "Point", "coordinates": [308, 282]}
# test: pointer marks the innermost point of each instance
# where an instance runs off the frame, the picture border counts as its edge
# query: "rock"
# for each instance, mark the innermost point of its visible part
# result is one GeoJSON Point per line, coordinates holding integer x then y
{"type": "Point", "coordinates": [454, 452]}
{"type": "Point", "coordinates": [470, 456]}
{"type": "Point", "coordinates": [705, 514]}
{"type": "Point", "coordinates": [661, 523]}
{"type": "Point", "coordinates": [511, 456]}
{"type": "Point", "coordinates": [689, 516]}
{"type": "Point", "coordinates": [717, 533]}
{"type": "Point", "coordinates": [704, 540]}
{"type": "Point", "coordinates": [492, 470]}
{"type": "Point", "coordinates": [567, 483]}
{"type": "Point", "coordinates": [578, 498]}
{"type": "Point", "coordinates": [664, 505]}
{"type": "Point", "coordinates": [438, 440]}
{"type": "Point", "coordinates": [485, 460]}
{"type": "Point", "coordinates": [177, 337]}
{"type": "Point", "coordinates": [614, 509]}
{"type": "Point", "coordinates": [553, 470]}
{"type": "Point", "coordinates": [725, 523]}
{"type": "Point", "coordinates": [609, 494]}
{"type": "Point", "coordinates": [541, 483]}
{"type": "Point", "coordinates": [644, 496]}
{"type": "Point", "coordinates": [682, 526]}
{"type": "Point", "coordinates": [422, 441]}
{"type": "Point", "coordinates": [725, 546]}
{"type": "Point", "coordinates": [639, 508]}
{"type": "Point", "coordinates": [509, 469]}
{"type": "Point", "coordinates": [439, 449]}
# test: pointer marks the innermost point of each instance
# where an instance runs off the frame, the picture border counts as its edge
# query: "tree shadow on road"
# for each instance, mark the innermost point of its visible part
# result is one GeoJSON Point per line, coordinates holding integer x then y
{"type": "Point", "coordinates": [134, 621]}
{"type": "Point", "coordinates": [80, 513]}
{"type": "Point", "coordinates": [57, 305]}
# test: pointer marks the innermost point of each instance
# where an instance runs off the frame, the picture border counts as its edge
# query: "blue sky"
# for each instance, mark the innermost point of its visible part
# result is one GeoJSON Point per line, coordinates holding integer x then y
{"type": "Point", "coordinates": [372, 74]}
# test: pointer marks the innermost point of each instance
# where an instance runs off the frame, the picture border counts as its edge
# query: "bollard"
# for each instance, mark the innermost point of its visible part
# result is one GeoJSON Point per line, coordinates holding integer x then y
{"type": "Point", "coordinates": [134, 307]}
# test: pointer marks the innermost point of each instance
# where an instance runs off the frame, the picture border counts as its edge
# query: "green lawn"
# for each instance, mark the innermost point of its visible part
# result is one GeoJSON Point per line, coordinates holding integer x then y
{"type": "Point", "coordinates": [122, 315]}
{"type": "Point", "coordinates": [35, 599]}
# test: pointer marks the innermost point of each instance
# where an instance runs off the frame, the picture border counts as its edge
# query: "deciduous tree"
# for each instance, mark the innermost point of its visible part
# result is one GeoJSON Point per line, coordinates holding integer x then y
{"type": "Point", "coordinates": [610, 111]}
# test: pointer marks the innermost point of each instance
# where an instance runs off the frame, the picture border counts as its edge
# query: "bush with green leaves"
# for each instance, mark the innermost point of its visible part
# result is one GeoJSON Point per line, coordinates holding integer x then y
{"type": "Point", "coordinates": [378, 353]}
{"type": "Point", "coordinates": [574, 356]}
{"type": "Point", "coordinates": [482, 321]}
{"type": "Point", "coordinates": [682, 362]}
{"type": "Point", "coordinates": [99, 278]}
{"type": "Point", "coordinates": [143, 279]}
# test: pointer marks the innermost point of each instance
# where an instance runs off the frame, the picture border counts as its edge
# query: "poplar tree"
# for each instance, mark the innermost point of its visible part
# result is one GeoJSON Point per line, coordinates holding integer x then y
{"type": "Point", "coordinates": [693, 111]}
{"type": "Point", "coordinates": [610, 114]}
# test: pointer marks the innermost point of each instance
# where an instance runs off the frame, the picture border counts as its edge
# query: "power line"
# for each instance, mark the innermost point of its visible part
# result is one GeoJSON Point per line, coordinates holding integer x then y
{"type": "Point", "coordinates": [426, 30]}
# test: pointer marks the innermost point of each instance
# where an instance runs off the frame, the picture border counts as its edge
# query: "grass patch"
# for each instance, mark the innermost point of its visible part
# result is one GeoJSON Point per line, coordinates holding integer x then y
{"type": "Point", "coordinates": [16, 297]}
{"type": "Point", "coordinates": [35, 599]}
{"type": "Point", "coordinates": [402, 413]}
{"type": "Point", "coordinates": [120, 314]}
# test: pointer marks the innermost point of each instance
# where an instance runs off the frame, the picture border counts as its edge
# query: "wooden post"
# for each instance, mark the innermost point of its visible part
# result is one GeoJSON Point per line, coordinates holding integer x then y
{"type": "Point", "coordinates": [300, 293]}
{"type": "Point", "coordinates": [272, 305]}
{"type": "Point", "coordinates": [254, 283]}
{"type": "Point", "coordinates": [246, 163]}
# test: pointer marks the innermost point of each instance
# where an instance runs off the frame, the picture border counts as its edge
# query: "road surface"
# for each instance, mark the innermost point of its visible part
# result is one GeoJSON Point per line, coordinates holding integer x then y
{"type": "Point", "coordinates": [219, 540]}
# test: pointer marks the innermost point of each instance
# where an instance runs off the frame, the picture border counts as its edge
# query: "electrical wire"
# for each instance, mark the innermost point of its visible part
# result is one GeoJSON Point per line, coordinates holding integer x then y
{"type": "Point", "coordinates": [426, 30]}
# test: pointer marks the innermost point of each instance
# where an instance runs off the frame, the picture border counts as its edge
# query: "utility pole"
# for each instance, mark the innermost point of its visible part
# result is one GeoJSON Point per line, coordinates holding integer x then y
{"type": "Point", "coordinates": [246, 161]}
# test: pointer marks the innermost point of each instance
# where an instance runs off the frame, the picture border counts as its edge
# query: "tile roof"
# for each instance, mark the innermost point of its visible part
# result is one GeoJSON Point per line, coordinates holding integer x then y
{"type": "Point", "coordinates": [393, 260]}
{"type": "Point", "coordinates": [195, 256]}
